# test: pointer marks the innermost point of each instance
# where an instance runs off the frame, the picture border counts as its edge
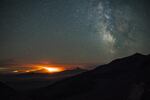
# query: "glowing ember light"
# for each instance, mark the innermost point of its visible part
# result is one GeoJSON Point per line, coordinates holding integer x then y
{"type": "Point", "coordinates": [52, 69]}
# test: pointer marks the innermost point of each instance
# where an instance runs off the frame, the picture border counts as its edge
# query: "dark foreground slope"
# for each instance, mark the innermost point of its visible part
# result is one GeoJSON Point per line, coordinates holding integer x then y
{"type": "Point", "coordinates": [6, 93]}
{"type": "Point", "coordinates": [122, 79]}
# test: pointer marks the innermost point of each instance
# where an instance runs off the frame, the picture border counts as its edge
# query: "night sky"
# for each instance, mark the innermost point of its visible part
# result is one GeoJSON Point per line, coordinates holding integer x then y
{"type": "Point", "coordinates": [73, 31]}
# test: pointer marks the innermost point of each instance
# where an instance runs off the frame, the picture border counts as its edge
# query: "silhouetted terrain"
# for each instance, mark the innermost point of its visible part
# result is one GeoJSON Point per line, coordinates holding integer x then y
{"type": "Point", "coordinates": [122, 79]}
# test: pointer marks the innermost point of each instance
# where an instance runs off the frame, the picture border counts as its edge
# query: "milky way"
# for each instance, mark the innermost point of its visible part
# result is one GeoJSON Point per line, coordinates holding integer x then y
{"type": "Point", "coordinates": [73, 31]}
{"type": "Point", "coordinates": [121, 27]}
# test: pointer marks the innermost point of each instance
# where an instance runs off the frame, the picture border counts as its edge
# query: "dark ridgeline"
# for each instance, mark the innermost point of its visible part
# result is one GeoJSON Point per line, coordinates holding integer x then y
{"type": "Point", "coordinates": [122, 79]}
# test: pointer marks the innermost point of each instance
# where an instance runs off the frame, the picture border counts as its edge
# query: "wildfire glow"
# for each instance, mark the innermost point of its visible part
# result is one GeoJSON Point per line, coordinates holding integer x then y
{"type": "Point", "coordinates": [45, 68]}
{"type": "Point", "coordinates": [52, 70]}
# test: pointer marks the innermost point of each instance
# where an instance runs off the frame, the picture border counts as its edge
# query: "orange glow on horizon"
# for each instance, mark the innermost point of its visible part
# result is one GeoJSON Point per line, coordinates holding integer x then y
{"type": "Point", "coordinates": [39, 68]}
{"type": "Point", "coordinates": [49, 68]}
{"type": "Point", "coordinates": [53, 69]}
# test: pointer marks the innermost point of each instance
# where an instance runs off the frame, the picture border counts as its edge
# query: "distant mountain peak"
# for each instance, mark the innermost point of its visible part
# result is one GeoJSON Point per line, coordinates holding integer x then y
{"type": "Point", "coordinates": [131, 57]}
{"type": "Point", "coordinates": [138, 54]}
{"type": "Point", "coordinates": [135, 56]}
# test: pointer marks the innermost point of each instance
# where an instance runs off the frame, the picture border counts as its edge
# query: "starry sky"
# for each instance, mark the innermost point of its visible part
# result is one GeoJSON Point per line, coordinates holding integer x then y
{"type": "Point", "coordinates": [73, 31]}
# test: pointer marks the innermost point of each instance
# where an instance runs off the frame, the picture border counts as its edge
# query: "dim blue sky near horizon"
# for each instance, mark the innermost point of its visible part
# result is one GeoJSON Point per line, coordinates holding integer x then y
{"type": "Point", "coordinates": [73, 31]}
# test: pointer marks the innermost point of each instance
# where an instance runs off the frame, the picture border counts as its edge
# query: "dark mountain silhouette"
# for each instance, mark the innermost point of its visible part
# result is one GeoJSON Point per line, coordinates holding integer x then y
{"type": "Point", "coordinates": [122, 79]}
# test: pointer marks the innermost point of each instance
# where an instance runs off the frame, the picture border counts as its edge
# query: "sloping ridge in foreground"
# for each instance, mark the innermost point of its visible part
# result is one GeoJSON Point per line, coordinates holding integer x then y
{"type": "Point", "coordinates": [121, 79]}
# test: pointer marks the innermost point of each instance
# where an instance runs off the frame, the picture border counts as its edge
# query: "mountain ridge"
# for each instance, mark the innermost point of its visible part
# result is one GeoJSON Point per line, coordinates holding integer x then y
{"type": "Point", "coordinates": [113, 81]}
{"type": "Point", "coordinates": [125, 78]}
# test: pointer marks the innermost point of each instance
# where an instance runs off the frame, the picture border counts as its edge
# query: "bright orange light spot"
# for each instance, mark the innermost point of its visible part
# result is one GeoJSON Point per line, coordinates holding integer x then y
{"type": "Point", "coordinates": [49, 68]}
{"type": "Point", "coordinates": [52, 70]}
